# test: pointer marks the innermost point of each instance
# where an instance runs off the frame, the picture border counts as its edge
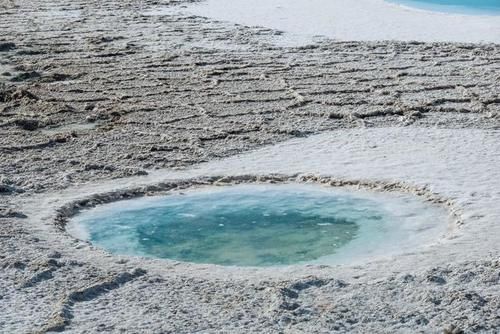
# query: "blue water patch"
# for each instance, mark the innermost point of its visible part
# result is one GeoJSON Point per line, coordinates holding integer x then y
{"type": "Point", "coordinates": [456, 6]}
{"type": "Point", "coordinates": [256, 225]}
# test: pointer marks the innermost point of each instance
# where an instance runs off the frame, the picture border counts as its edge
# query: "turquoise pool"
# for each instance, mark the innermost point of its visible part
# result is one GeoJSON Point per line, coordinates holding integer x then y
{"type": "Point", "coordinates": [456, 6]}
{"type": "Point", "coordinates": [259, 225]}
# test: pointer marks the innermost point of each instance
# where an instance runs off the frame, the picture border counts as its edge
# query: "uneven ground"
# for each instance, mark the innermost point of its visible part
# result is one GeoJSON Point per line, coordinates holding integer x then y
{"type": "Point", "coordinates": [92, 91]}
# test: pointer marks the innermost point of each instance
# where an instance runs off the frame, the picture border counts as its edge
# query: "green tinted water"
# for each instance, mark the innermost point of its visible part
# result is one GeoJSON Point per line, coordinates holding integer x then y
{"type": "Point", "coordinates": [259, 225]}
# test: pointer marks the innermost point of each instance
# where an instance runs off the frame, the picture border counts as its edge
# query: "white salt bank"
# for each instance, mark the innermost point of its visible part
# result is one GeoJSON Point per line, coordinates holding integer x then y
{"type": "Point", "coordinates": [365, 20]}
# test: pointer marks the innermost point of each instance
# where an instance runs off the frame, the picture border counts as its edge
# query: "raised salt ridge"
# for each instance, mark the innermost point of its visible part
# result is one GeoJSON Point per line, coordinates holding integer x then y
{"type": "Point", "coordinates": [264, 225]}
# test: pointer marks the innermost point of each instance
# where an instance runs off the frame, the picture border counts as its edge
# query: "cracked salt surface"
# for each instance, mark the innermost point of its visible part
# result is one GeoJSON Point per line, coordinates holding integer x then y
{"type": "Point", "coordinates": [459, 164]}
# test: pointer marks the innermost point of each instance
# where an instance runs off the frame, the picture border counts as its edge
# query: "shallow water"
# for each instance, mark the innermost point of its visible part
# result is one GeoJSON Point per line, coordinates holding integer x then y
{"type": "Point", "coordinates": [456, 6]}
{"type": "Point", "coordinates": [261, 225]}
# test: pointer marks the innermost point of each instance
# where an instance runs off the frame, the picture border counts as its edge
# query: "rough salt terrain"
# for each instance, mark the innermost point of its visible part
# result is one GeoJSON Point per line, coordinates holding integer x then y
{"type": "Point", "coordinates": [97, 97]}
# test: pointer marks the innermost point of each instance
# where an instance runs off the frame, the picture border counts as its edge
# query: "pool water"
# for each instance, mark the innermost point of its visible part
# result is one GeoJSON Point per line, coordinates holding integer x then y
{"type": "Point", "coordinates": [456, 6]}
{"type": "Point", "coordinates": [258, 225]}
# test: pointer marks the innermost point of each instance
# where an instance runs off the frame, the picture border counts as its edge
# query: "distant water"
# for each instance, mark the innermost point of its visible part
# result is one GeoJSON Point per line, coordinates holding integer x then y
{"type": "Point", "coordinates": [259, 225]}
{"type": "Point", "coordinates": [456, 6]}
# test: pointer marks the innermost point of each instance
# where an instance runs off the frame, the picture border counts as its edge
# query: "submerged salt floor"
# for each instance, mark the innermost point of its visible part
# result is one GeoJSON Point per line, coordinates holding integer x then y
{"type": "Point", "coordinates": [367, 20]}
{"type": "Point", "coordinates": [264, 225]}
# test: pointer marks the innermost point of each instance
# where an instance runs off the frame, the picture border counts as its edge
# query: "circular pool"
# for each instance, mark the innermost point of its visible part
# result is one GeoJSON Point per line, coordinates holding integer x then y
{"type": "Point", "coordinates": [263, 225]}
